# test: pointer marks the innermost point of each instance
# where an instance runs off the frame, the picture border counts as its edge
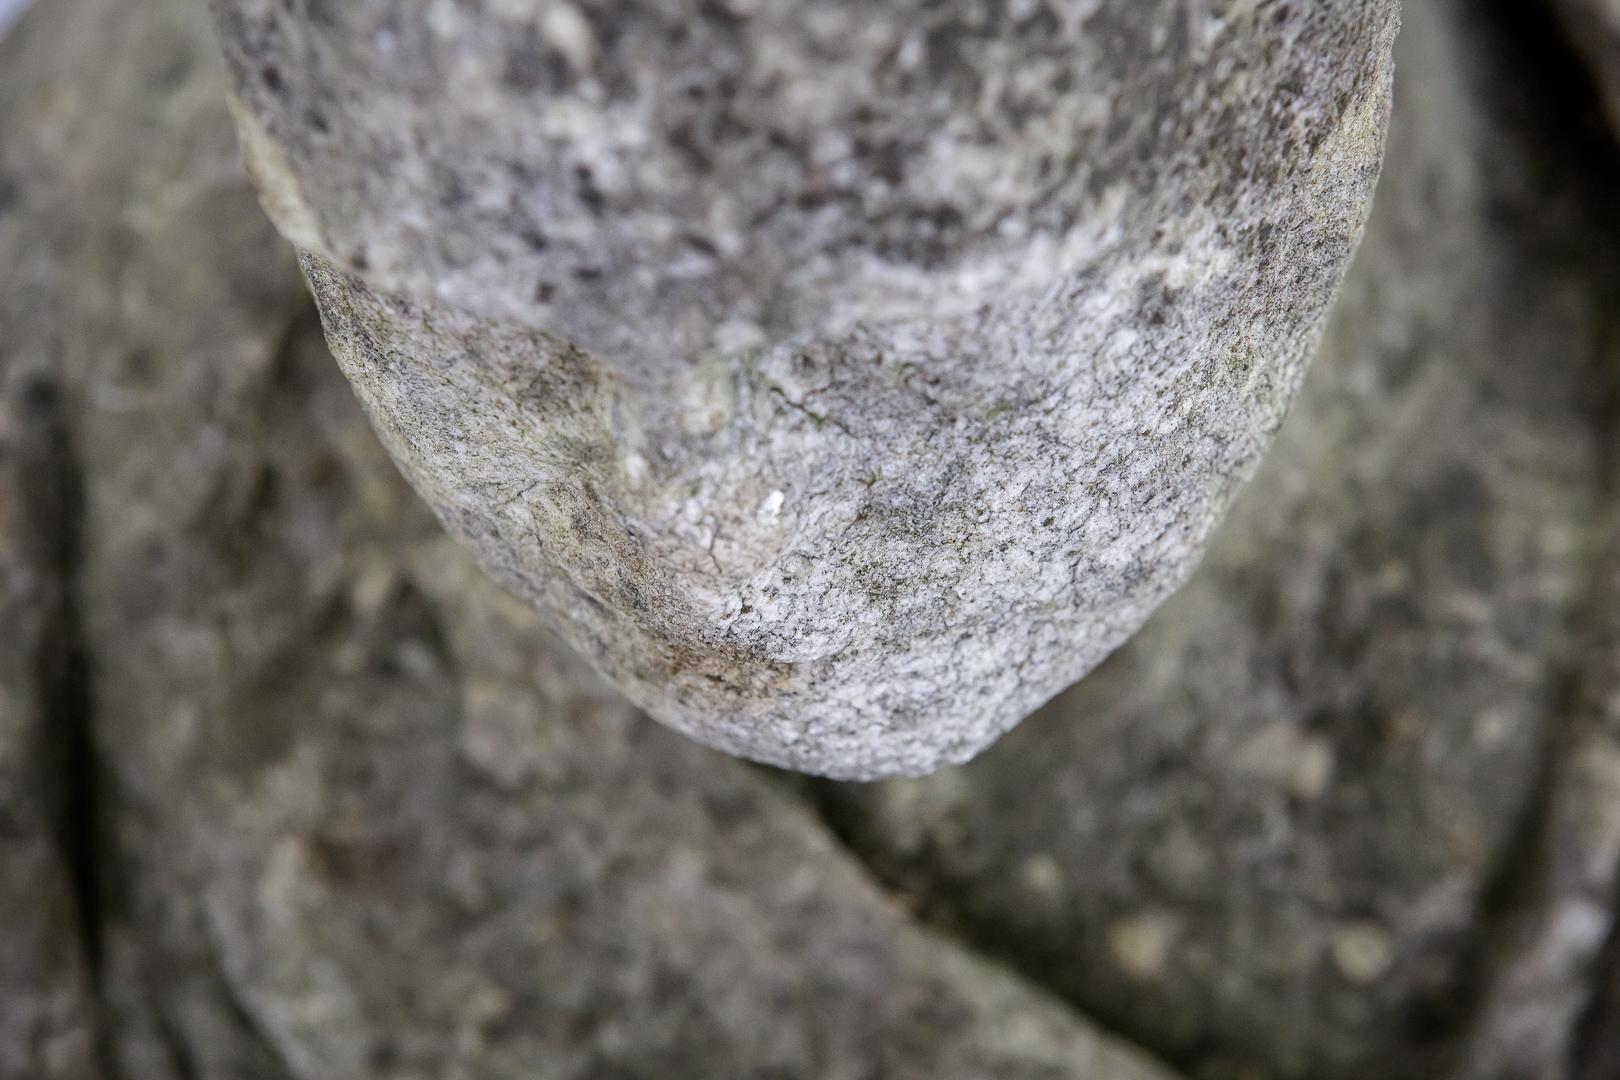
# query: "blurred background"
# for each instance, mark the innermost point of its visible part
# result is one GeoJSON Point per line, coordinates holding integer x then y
{"type": "Point", "coordinates": [10, 9]}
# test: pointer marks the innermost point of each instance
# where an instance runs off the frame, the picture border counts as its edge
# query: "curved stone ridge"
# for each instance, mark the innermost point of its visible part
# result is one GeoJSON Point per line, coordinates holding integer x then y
{"type": "Point", "coordinates": [844, 379]}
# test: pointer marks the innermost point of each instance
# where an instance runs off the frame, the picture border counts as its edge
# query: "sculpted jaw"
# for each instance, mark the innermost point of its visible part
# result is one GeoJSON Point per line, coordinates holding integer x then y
{"type": "Point", "coordinates": [843, 379]}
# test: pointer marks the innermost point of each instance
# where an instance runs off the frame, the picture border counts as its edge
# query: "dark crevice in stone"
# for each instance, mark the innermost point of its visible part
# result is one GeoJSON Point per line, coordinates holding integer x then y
{"type": "Point", "coordinates": [1556, 108]}
{"type": "Point", "coordinates": [259, 1045]}
{"type": "Point", "coordinates": [1518, 883]}
{"type": "Point", "coordinates": [938, 917]}
{"type": "Point", "coordinates": [62, 665]}
{"type": "Point", "coordinates": [1595, 1048]}
{"type": "Point", "coordinates": [175, 1049]}
{"type": "Point", "coordinates": [71, 775]}
{"type": "Point", "coordinates": [1596, 1052]}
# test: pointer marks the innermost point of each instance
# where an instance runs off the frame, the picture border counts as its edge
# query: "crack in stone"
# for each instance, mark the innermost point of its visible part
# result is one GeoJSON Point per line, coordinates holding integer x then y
{"type": "Point", "coordinates": [69, 768]}
{"type": "Point", "coordinates": [1526, 889]}
{"type": "Point", "coordinates": [936, 919]}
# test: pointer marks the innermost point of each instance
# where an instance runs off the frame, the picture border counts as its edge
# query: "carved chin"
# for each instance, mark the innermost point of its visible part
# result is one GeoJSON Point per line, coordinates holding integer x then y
{"type": "Point", "coordinates": [843, 379]}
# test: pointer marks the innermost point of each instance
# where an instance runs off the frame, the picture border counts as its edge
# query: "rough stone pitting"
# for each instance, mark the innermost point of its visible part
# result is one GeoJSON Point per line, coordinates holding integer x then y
{"type": "Point", "coordinates": [844, 379]}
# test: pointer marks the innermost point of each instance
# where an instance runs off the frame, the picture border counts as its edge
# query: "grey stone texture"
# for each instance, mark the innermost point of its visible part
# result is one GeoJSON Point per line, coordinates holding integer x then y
{"type": "Point", "coordinates": [843, 380]}
{"type": "Point", "coordinates": [48, 1010]}
{"type": "Point", "coordinates": [290, 790]}
{"type": "Point", "coordinates": [363, 816]}
{"type": "Point", "coordinates": [1349, 805]}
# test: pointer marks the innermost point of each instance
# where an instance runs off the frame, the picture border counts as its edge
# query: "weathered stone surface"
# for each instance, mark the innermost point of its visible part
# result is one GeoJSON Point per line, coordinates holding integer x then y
{"type": "Point", "coordinates": [368, 819]}
{"type": "Point", "coordinates": [1594, 32]}
{"type": "Point", "coordinates": [1280, 832]}
{"type": "Point", "coordinates": [844, 380]}
{"type": "Point", "coordinates": [1549, 1007]}
{"type": "Point", "coordinates": [47, 1008]}
{"type": "Point", "coordinates": [1554, 973]}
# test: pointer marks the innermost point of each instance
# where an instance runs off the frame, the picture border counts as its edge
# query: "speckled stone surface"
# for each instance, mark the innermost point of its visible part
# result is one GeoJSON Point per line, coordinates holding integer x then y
{"type": "Point", "coordinates": [1349, 805]}
{"type": "Point", "coordinates": [47, 1002]}
{"type": "Point", "coordinates": [843, 379]}
{"type": "Point", "coordinates": [365, 818]}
